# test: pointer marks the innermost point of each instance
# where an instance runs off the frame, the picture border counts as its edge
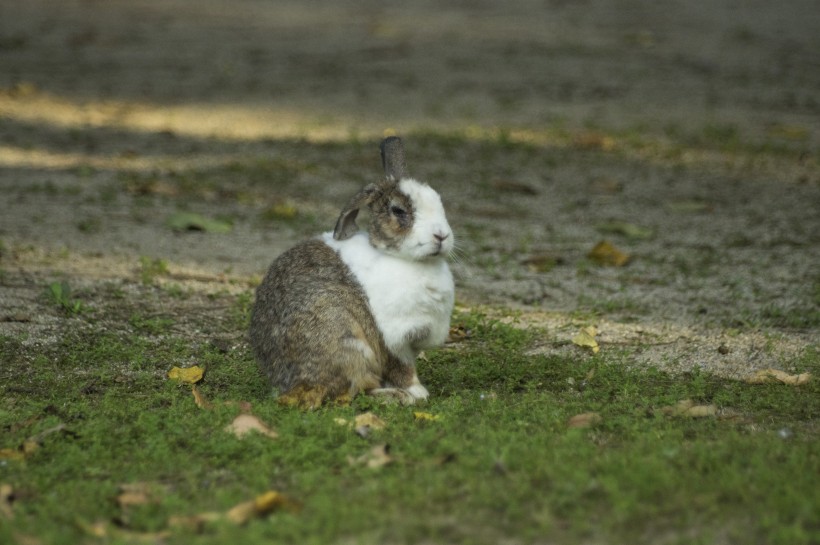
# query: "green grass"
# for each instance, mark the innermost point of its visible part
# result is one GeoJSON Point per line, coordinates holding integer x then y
{"type": "Point", "coordinates": [60, 294]}
{"type": "Point", "coordinates": [499, 464]}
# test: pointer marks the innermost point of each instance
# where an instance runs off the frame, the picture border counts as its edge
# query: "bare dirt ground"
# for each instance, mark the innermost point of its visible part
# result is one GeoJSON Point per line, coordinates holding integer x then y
{"type": "Point", "coordinates": [686, 135]}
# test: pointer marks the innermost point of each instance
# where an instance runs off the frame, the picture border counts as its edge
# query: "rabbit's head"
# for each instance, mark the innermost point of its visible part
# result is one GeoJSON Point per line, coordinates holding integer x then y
{"type": "Point", "coordinates": [407, 217]}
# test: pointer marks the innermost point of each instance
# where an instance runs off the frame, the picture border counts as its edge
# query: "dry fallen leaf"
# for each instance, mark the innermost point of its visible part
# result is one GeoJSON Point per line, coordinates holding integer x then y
{"type": "Point", "coordinates": [687, 407]}
{"type": "Point", "coordinates": [29, 446]}
{"type": "Point", "coordinates": [769, 376]}
{"type": "Point", "coordinates": [130, 499]}
{"type": "Point", "coordinates": [418, 415]}
{"type": "Point", "coordinates": [370, 420]}
{"type": "Point", "coordinates": [366, 422]}
{"type": "Point", "coordinates": [592, 140]}
{"type": "Point", "coordinates": [199, 399]}
{"type": "Point", "coordinates": [459, 333]}
{"type": "Point", "coordinates": [700, 411]}
{"type": "Point", "coordinates": [303, 397]}
{"type": "Point", "coordinates": [139, 493]}
{"type": "Point", "coordinates": [260, 506]}
{"type": "Point", "coordinates": [605, 253]}
{"type": "Point", "coordinates": [6, 500]}
{"type": "Point", "coordinates": [375, 458]}
{"type": "Point", "coordinates": [194, 523]}
{"type": "Point", "coordinates": [586, 338]}
{"type": "Point", "coordinates": [98, 529]}
{"type": "Point", "coordinates": [584, 420]}
{"type": "Point", "coordinates": [243, 424]}
{"type": "Point", "coordinates": [240, 514]}
{"type": "Point", "coordinates": [257, 507]}
{"type": "Point", "coordinates": [12, 454]}
{"type": "Point", "coordinates": [33, 443]}
{"type": "Point", "coordinates": [187, 375]}
{"type": "Point", "coordinates": [104, 530]}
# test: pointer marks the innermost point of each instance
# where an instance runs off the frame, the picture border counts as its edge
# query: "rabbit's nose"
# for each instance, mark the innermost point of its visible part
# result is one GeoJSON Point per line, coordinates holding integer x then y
{"type": "Point", "coordinates": [440, 236]}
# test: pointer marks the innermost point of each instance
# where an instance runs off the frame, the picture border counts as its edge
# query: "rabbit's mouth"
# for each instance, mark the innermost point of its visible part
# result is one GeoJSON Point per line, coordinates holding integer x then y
{"type": "Point", "coordinates": [438, 251]}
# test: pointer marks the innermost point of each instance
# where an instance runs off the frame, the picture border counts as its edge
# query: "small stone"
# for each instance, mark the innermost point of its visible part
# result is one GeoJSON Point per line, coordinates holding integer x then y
{"type": "Point", "coordinates": [723, 349]}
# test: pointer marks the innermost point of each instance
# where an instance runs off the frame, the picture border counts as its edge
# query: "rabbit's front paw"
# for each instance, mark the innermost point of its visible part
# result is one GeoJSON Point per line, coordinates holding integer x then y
{"type": "Point", "coordinates": [418, 392]}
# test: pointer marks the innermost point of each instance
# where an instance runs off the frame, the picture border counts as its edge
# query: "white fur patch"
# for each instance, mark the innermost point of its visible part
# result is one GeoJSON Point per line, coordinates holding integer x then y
{"type": "Point", "coordinates": [418, 391]}
{"type": "Point", "coordinates": [405, 296]}
{"type": "Point", "coordinates": [361, 346]}
{"type": "Point", "coordinates": [429, 222]}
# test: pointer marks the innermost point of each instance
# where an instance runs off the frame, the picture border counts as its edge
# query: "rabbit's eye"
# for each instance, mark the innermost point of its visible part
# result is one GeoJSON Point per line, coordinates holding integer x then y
{"type": "Point", "coordinates": [398, 211]}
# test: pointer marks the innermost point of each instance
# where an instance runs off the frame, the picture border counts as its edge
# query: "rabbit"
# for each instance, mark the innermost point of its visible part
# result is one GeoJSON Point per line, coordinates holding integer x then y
{"type": "Point", "coordinates": [349, 312]}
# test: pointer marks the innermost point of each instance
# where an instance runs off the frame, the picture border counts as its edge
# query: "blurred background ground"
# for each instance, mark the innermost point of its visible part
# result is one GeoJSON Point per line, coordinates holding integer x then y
{"type": "Point", "coordinates": [685, 135]}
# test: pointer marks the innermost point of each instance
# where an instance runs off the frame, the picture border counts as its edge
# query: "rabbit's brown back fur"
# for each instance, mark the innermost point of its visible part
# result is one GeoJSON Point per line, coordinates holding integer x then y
{"type": "Point", "coordinates": [311, 329]}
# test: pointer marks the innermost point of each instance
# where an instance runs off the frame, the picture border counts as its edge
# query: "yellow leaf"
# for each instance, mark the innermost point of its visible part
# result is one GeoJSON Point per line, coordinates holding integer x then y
{"type": "Point", "coordinates": [586, 338]}
{"type": "Point", "coordinates": [425, 416]}
{"type": "Point", "coordinates": [341, 421]}
{"type": "Point", "coordinates": [257, 507]}
{"type": "Point", "coordinates": [768, 376]}
{"type": "Point", "coordinates": [604, 253]}
{"type": "Point", "coordinates": [186, 375]}
{"type": "Point", "coordinates": [584, 420]}
{"type": "Point", "coordinates": [369, 420]}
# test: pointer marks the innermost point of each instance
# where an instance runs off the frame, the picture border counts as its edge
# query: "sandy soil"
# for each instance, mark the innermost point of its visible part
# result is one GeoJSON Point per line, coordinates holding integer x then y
{"type": "Point", "coordinates": [698, 125]}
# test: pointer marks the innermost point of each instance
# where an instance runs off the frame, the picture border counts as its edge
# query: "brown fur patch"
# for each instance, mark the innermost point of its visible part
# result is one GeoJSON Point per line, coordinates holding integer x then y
{"type": "Point", "coordinates": [387, 228]}
{"type": "Point", "coordinates": [398, 374]}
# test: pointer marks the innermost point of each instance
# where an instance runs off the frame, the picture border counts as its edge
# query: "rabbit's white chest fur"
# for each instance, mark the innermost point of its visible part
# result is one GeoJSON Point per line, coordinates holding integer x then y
{"type": "Point", "coordinates": [411, 300]}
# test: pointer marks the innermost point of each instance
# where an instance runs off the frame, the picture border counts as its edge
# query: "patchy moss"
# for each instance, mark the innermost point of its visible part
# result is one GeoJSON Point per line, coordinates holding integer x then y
{"type": "Point", "coordinates": [500, 462]}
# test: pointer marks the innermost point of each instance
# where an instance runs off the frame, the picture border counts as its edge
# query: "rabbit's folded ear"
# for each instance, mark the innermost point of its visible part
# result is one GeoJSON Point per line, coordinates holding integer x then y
{"type": "Point", "coordinates": [346, 224]}
{"type": "Point", "coordinates": [392, 151]}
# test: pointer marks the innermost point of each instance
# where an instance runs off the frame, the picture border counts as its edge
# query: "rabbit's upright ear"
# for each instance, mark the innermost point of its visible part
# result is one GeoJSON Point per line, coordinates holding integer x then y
{"type": "Point", "coordinates": [346, 224]}
{"type": "Point", "coordinates": [393, 158]}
